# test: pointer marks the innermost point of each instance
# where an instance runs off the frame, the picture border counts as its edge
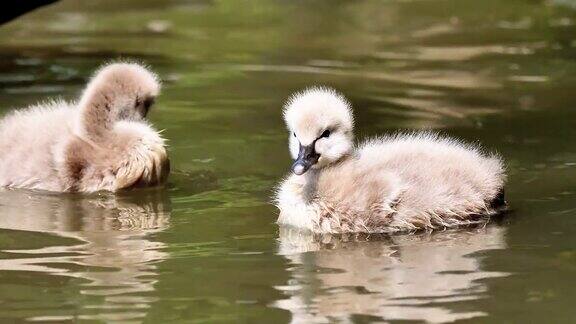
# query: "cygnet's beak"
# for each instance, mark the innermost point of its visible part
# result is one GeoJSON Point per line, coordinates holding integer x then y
{"type": "Point", "coordinates": [307, 157]}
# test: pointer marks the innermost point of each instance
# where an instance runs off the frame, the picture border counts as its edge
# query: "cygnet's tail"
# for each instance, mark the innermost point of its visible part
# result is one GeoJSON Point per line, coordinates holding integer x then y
{"type": "Point", "coordinates": [117, 91]}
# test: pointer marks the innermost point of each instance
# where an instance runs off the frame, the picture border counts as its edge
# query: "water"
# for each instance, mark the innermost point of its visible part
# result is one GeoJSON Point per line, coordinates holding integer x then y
{"type": "Point", "coordinates": [206, 249]}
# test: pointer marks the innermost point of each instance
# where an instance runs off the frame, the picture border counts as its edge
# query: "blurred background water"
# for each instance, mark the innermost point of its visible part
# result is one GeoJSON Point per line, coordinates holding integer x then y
{"type": "Point", "coordinates": [206, 249]}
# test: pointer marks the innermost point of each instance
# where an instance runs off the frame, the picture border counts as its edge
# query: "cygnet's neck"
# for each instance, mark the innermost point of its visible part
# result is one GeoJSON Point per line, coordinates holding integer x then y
{"type": "Point", "coordinates": [345, 157]}
{"type": "Point", "coordinates": [311, 176]}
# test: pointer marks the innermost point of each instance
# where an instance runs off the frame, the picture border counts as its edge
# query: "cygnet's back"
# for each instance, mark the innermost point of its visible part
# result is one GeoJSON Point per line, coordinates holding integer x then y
{"type": "Point", "coordinates": [413, 181]}
{"type": "Point", "coordinates": [28, 141]}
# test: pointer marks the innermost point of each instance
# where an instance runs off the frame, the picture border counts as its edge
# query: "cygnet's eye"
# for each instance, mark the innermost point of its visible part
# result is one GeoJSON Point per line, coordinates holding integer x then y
{"type": "Point", "coordinates": [148, 103]}
{"type": "Point", "coordinates": [326, 133]}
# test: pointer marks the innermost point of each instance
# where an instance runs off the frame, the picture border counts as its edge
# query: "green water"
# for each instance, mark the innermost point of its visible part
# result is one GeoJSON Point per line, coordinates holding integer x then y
{"type": "Point", "coordinates": [206, 248]}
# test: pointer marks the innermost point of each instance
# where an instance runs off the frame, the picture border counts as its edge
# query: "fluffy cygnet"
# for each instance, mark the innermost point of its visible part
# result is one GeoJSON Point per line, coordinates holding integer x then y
{"type": "Point", "coordinates": [101, 142]}
{"type": "Point", "coordinates": [402, 182]}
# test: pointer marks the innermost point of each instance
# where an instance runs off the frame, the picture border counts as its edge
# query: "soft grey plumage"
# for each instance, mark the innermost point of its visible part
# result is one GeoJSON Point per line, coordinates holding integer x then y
{"type": "Point", "coordinates": [402, 182]}
{"type": "Point", "coordinates": [103, 142]}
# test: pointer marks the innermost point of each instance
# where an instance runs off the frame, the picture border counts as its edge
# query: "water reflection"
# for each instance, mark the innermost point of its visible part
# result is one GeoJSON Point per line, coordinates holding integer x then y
{"type": "Point", "coordinates": [111, 251]}
{"type": "Point", "coordinates": [406, 277]}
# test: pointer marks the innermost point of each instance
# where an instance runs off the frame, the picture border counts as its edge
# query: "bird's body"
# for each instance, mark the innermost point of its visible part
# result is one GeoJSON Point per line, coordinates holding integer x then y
{"type": "Point", "coordinates": [397, 183]}
{"type": "Point", "coordinates": [101, 142]}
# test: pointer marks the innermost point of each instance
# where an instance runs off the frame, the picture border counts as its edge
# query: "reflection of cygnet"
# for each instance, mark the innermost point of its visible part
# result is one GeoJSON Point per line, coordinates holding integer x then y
{"type": "Point", "coordinates": [397, 183]}
{"type": "Point", "coordinates": [76, 216]}
{"type": "Point", "coordinates": [111, 248]}
{"type": "Point", "coordinates": [103, 142]}
{"type": "Point", "coordinates": [401, 277]}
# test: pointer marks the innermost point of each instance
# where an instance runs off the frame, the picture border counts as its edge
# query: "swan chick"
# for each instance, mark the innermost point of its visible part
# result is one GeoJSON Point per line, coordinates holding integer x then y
{"type": "Point", "coordinates": [402, 182]}
{"type": "Point", "coordinates": [100, 142]}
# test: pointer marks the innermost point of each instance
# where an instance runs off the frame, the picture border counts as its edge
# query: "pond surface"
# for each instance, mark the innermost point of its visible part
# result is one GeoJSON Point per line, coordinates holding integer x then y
{"type": "Point", "coordinates": [206, 248]}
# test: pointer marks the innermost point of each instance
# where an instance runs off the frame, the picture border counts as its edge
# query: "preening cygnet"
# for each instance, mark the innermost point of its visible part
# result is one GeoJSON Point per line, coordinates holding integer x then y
{"type": "Point", "coordinates": [102, 142]}
{"type": "Point", "coordinates": [394, 183]}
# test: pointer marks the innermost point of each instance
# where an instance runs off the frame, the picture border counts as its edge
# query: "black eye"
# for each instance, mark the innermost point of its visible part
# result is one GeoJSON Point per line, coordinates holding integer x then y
{"type": "Point", "coordinates": [326, 133]}
{"type": "Point", "coordinates": [294, 134]}
{"type": "Point", "coordinates": [148, 103]}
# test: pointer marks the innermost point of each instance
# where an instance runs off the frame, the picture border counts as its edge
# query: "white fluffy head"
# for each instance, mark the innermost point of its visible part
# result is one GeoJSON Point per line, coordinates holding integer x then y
{"type": "Point", "coordinates": [322, 118]}
{"type": "Point", "coordinates": [128, 89]}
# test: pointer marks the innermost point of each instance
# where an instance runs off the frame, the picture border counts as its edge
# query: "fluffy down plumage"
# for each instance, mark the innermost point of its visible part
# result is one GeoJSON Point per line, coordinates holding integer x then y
{"type": "Point", "coordinates": [102, 142]}
{"type": "Point", "coordinates": [403, 182]}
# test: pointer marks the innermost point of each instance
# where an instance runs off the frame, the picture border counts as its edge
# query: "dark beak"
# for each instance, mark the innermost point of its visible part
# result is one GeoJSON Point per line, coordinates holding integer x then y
{"type": "Point", "coordinates": [307, 157]}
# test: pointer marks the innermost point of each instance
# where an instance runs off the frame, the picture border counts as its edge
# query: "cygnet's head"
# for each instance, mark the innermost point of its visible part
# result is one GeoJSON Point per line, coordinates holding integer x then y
{"type": "Point", "coordinates": [320, 123]}
{"type": "Point", "coordinates": [129, 89]}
